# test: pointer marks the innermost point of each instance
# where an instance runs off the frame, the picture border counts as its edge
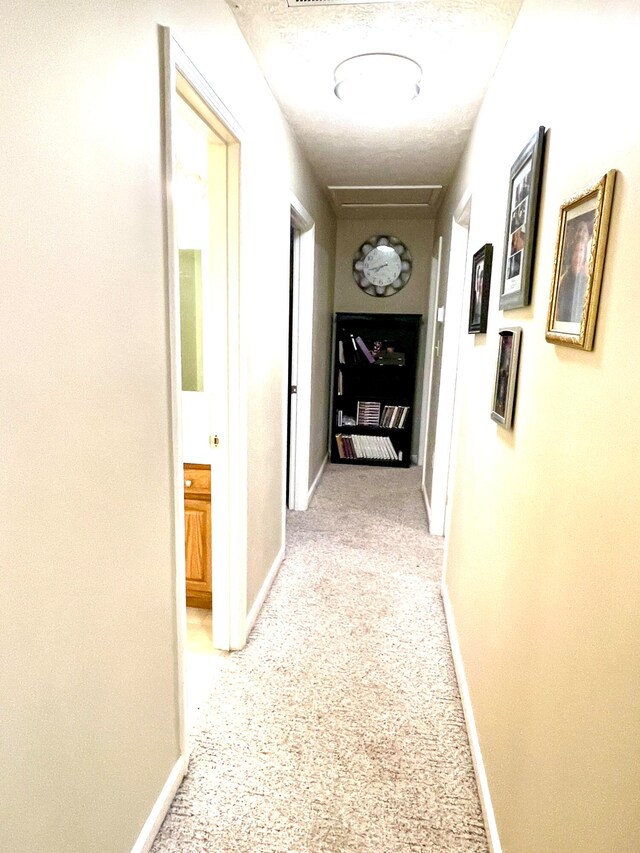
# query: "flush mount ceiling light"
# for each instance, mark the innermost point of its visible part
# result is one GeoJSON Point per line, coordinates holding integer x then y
{"type": "Point", "coordinates": [368, 75]}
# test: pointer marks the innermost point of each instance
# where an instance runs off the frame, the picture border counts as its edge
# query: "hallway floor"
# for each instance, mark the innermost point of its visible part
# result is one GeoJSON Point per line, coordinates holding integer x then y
{"type": "Point", "coordinates": [199, 661]}
{"type": "Point", "coordinates": [339, 728]}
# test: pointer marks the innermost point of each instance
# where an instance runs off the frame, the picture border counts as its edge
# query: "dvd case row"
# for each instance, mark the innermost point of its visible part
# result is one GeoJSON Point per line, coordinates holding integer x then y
{"type": "Point", "coordinates": [366, 447]}
{"type": "Point", "coordinates": [368, 414]}
{"type": "Point", "coordinates": [394, 417]}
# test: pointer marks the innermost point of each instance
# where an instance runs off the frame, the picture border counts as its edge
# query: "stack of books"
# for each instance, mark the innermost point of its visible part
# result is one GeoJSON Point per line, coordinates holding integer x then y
{"type": "Point", "coordinates": [368, 414]}
{"type": "Point", "coordinates": [366, 447]}
{"type": "Point", "coordinates": [394, 417]}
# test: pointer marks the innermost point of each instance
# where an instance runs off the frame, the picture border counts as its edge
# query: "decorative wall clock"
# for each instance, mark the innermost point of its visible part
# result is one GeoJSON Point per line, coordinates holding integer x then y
{"type": "Point", "coordinates": [382, 265]}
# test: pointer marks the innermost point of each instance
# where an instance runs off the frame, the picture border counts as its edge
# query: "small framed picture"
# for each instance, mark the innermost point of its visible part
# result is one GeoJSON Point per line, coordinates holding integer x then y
{"type": "Point", "coordinates": [578, 265]}
{"type": "Point", "coordinates": [504, 392]}
{"type": "Point", "coordinates": [480, 285]}
{"type": "Point", "coordinates": [522, 220]}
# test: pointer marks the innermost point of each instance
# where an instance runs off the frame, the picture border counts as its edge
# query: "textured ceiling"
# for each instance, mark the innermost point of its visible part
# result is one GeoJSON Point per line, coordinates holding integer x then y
{"type": "Point", "coordinates": [458, 44]}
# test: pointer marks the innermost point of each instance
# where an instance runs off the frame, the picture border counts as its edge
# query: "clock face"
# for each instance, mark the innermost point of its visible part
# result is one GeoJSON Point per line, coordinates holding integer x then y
{"type": "Point", "coordinates": [382, 266]}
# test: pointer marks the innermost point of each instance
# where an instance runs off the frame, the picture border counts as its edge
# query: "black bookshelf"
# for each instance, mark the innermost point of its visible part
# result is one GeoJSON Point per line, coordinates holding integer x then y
{"type": "Point", "coordinates": [374, 379]}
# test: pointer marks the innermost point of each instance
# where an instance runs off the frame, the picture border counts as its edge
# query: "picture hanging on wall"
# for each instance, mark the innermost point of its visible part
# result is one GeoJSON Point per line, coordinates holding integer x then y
{"type": "Point", "coordinates": [579, 261]}
{"type": "Point", "coordinates": [522, 220]}
{"type": "Point", "coordinates": [480, 285]}
{"type": "Point", "coordinates": [504, 392]}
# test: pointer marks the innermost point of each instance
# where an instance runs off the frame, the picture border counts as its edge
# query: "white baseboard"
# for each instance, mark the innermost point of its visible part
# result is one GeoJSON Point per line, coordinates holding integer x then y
{"type": "Point", "coordinates": [314, 485]}
{"type": "Point", "coordinates": [476, 755]}
{"type": "Point", "coordinates": [430, 516]}
{"type": "Point", "coordinates": [427, 505]}
{"type": "Point", "coordinates": [264, 590]}
{"type": "Point", "coordinates": [158, 813]}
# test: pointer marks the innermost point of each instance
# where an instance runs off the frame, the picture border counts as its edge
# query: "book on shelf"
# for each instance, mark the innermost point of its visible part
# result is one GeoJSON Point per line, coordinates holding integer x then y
{"type": "Point", "coordinates": [340, 384]}
{"type": "Point", "coordinates": [365, 349]}
{"type": "Point", "coordinates": [357, 446]}
{"type": "Point", "coordinates": [345, 448]}
{"type": "Point", "coordinates": [394, 417]}
{"type": "Point", "coordinates": [353, 350]}
{"type": "Point", "coordinates": [368, 414]}
{"type": "Point", "coordinates": [348, 350]}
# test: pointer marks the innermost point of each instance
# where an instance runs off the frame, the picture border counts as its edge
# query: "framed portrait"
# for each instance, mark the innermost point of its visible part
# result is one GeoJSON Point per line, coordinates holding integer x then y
{"type": "Point", "coordinates": [579, 260]}
{"type": "Point", "coordinates": [504, 392]}
{"type": "Point", "coordinates": [480, 285]}
{"type": "Point", "coordinates": [522, 220]}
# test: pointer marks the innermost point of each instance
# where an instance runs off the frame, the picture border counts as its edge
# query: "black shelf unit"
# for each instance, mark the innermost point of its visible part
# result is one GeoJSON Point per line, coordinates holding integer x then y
{"type": "Point", "coordinates": [386, 385]}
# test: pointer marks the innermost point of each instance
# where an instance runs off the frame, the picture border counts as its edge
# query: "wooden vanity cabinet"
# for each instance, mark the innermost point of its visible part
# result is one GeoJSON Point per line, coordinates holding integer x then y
{"type": "Point", "coordinates": [197, 534]}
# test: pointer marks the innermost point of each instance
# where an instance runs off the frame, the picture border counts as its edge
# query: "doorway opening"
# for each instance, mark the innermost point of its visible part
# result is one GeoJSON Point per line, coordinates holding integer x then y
{"type": "Point", "coordinates": [202, 175]}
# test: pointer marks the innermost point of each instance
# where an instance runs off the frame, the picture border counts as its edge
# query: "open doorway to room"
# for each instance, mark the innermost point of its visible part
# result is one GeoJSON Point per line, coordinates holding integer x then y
{"type": "Point", "coordinates": [202, 165]}
{"type": "Point", "coordinates": [200, 177]}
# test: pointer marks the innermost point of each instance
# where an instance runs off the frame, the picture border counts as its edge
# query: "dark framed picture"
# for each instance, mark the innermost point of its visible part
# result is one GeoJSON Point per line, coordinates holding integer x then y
{"type": "Point", "coordinates": [504, 392]}
{"type": "Point", "coordinates": [520, 229]}
{"type": "Point", "coordinates": [480, 285]}
{"type": "Point", "coordinates": [578, 265]}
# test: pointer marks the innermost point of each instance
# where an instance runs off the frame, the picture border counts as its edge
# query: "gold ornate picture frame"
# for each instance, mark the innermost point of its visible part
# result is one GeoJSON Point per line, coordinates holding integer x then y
{"type": "Point", "coordinates": [578, 264]}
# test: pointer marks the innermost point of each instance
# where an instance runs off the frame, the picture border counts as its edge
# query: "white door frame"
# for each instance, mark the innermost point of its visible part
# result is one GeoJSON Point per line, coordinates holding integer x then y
{"type": "Point", "coordinates": [301, 355]}
{"type": "Point", "coordinates": [434, 287]}
{"type": "Point", "coordinates": [229, 574]}
{"type": "Point", "coordinates": [437, 502]}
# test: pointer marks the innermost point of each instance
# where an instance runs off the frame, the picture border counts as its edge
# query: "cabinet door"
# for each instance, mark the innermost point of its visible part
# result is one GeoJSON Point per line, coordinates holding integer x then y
{"type": "Point", "coordinates": [197, 529]}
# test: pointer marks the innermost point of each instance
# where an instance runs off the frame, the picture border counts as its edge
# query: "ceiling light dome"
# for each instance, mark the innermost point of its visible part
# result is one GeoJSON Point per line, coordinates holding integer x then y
{"type": "Point", "coordinates": [360, 78]}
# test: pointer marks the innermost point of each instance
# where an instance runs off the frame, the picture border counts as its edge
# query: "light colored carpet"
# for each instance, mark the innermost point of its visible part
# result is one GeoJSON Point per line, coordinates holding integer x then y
{"type": "Point", "coordinates": [339, 728]}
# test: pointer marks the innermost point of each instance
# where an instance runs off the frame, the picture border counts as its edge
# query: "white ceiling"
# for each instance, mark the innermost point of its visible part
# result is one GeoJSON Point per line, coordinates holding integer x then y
{"type": "Point", "coordinates": [457, 43]}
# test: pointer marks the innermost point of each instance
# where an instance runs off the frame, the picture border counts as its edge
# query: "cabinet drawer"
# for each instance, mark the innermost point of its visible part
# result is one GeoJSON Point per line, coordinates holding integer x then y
{"type": "Point", "coordinates": [197, 480]}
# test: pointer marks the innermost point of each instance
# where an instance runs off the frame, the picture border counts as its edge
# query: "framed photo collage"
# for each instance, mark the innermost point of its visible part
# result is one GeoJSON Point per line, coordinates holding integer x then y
{"type": "Point", "coordinates": [577, 270]}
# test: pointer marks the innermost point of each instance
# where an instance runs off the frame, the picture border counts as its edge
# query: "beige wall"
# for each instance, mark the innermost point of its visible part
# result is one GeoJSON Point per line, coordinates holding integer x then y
{"type": "Point", "coordinates": [305, 188]}
{"type": "Point", "coordinates": [544, 541]}
{"type": "Point", "coordinates": [88, 676]}
{"type": "Point", "coordinates": [266, 306]}
{"type": "Point", "coordinates": [414, 296]}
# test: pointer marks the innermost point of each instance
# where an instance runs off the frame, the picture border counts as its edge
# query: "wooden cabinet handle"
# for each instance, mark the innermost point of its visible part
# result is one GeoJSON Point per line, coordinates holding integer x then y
{"type": "Point", "coordinates": [188, 483]}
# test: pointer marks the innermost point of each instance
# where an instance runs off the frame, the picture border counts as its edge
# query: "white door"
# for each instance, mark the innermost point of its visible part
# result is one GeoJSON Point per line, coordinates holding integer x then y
{"type": "Point", "coordinates": [298, 425]}
{"type": "Point", "coordinates": [294, 337]}
{"type": "Point", "coordinates": [446, 343]}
